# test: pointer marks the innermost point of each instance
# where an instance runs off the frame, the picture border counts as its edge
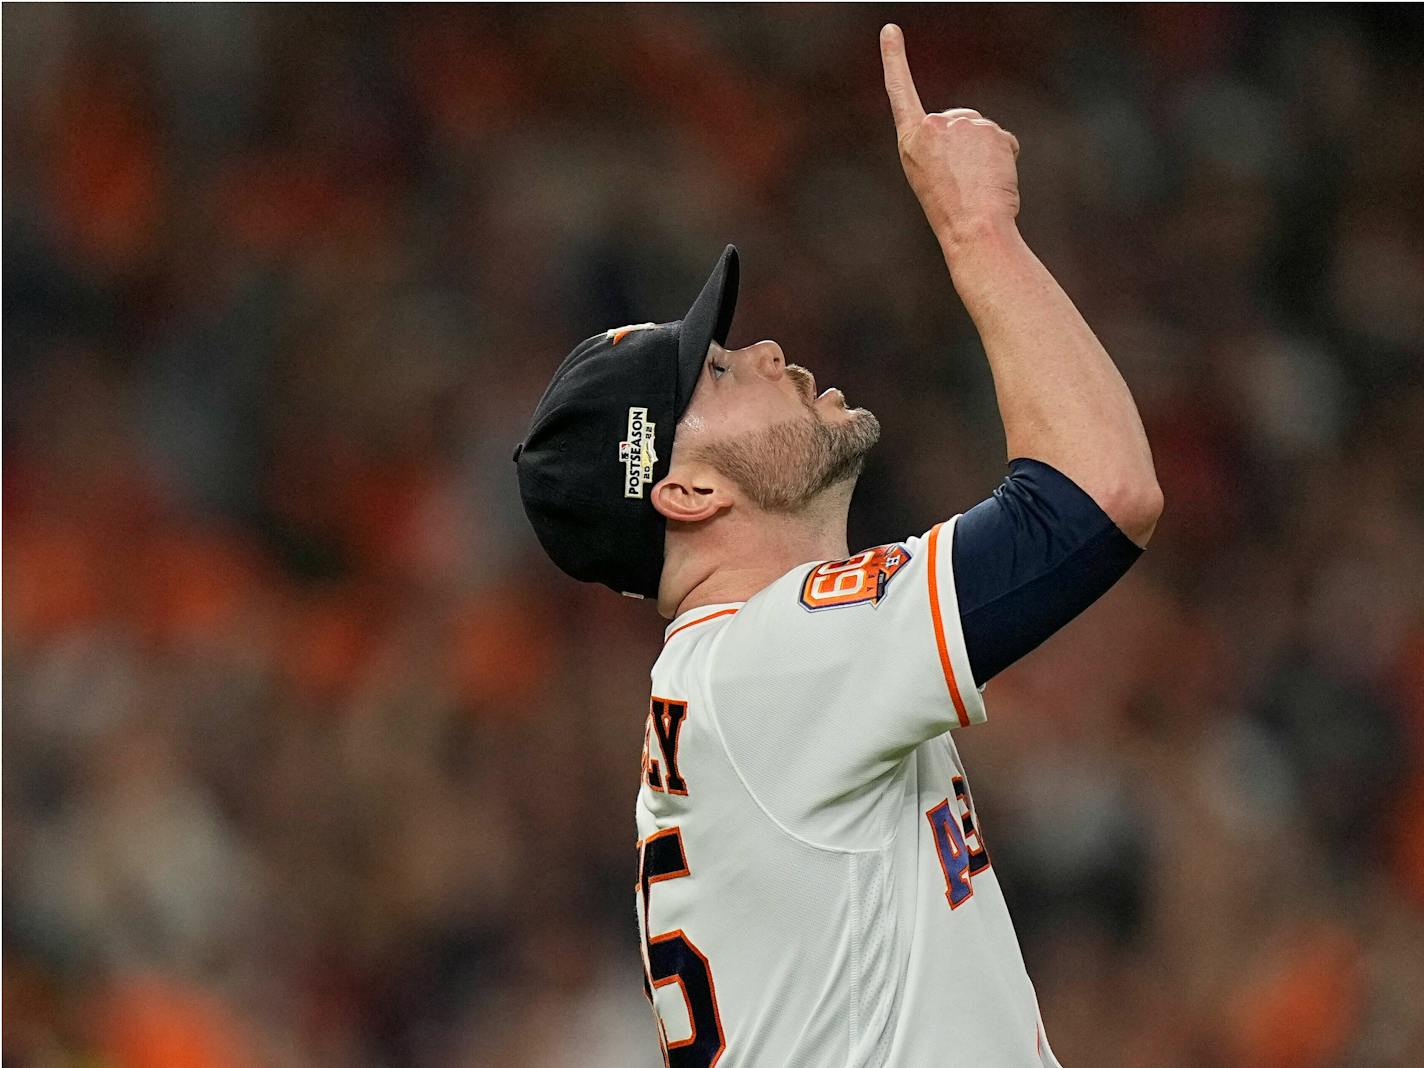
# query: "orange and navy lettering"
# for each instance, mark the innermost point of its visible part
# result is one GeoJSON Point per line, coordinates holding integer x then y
{"type": "Point", "coordinates": [665, 718]}
{"type": "Point", "coordinates": [672, 957]}
{"type": "Point", "coordinates": [978, 854]}
{"type": "Point", "coordinates": [652, 774]}
{"type": "Point", "coordinates": [958, 843]}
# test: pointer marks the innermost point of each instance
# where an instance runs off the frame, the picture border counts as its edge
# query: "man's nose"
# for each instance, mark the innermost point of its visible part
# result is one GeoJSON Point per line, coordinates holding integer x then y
{"type": "Point", "coordinates": [765, 358]}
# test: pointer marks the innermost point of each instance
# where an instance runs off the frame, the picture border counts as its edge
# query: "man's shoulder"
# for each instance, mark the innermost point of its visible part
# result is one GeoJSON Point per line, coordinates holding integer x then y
{"type": "Point", "coordinates": [819, 589]}
{"type": "Point", "coordinates": [819, 607]}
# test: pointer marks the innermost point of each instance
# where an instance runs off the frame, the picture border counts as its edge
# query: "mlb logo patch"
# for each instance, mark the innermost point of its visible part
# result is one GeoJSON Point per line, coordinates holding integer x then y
{"type": "Point", "coordinates": [860, 580]}
{"type": "Point", "coordinates": [618, 333]}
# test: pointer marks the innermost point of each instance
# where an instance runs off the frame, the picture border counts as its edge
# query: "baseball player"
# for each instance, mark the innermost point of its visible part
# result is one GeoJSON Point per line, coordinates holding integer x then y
{"type": "Point", "coordinates": [814, 885]}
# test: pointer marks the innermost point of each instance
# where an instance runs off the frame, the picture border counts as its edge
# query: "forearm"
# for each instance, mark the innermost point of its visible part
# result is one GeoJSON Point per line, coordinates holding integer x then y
{"type": "Point", "coordinates": [1061, 398]}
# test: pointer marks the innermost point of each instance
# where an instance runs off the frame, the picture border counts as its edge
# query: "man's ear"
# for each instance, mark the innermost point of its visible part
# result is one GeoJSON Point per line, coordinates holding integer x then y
{"type": "Point", "coordinates": [690, 495]}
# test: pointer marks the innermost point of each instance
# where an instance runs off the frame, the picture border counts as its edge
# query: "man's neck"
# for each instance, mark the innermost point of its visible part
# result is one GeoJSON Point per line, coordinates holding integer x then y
{"type": "Point", "coordinates": [743, 562]}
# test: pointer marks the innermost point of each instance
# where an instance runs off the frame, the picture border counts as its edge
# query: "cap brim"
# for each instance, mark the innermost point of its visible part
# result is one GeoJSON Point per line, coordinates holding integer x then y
{"type": "Point", "coordinates": [708, 320]}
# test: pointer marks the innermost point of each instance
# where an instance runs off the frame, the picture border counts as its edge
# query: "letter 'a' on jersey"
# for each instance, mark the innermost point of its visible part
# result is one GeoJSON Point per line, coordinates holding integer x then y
{"type": "Point", "coordinates": [814, 886]}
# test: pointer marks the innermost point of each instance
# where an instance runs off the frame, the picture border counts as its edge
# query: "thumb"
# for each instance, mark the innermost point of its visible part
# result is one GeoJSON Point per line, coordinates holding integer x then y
{"type": "Point", "coordinates": [899, 85]}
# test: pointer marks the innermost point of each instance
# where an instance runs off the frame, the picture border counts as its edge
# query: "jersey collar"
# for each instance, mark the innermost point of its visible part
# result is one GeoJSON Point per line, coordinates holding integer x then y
{"type": "Point", "coordinates": [701, 614]}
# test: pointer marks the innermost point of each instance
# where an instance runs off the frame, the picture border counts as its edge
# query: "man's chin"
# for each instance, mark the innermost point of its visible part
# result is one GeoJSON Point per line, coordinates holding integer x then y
{"type": "Point", "coordinates": [864, 424]}
{"type": "Point", "coordinates": [852, 437]}
{"type": "Point", "coordinates": [862, 413]}
{"type": "Point", "coordinates": [785, 467]}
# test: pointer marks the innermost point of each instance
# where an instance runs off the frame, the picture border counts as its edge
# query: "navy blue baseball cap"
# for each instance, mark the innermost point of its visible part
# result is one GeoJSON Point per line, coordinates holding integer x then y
{"type": "Point", "coordinates": [601, 438]}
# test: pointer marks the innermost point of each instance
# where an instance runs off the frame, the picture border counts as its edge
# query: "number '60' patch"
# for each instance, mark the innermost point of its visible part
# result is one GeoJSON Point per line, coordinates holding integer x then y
{"type": "Point", "coordinates": [860, 580]}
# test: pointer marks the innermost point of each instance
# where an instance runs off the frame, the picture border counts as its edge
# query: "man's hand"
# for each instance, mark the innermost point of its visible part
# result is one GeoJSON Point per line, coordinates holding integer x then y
{"type": "Point", "coordinates": [960, 164]}
{"type": "Point", "coordinates": [1060, 397]}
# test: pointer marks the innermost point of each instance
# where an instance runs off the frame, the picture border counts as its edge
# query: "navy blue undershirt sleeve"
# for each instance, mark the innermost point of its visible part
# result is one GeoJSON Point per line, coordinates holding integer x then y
{"type": "Point", "coordinates": [1029, 559]}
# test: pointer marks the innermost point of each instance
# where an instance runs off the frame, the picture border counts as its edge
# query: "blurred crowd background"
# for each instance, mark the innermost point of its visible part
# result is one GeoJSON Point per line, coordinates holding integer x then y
{"type": "Point", "coordinates": [311, 757]}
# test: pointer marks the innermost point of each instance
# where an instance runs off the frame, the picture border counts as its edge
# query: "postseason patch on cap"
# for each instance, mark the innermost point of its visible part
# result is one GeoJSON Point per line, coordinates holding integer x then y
{"type": "Point", "coordinates": [636, 454]}
{"type": "Point", "coordinates": [566, 458]}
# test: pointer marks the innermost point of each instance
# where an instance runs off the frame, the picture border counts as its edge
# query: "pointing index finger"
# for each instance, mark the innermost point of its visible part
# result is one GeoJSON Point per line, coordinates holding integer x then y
{"type": "Point", "coordinates": [899, 85]}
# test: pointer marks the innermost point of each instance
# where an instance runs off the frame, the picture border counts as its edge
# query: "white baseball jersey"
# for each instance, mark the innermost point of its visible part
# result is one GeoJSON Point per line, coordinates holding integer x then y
{"type": "Point", "coordinates": [813, 889]}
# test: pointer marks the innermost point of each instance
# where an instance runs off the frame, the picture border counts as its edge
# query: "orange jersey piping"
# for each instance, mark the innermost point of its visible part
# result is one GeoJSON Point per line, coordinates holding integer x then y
{"type": "Point", "coordinates": [939, 628]}
{"type": "Point", "coordinates": [704, 619]}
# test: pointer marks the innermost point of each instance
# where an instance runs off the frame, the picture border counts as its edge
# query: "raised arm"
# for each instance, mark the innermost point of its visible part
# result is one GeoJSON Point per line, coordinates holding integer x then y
{"type": "Point", "coordinates": [1061, 399]}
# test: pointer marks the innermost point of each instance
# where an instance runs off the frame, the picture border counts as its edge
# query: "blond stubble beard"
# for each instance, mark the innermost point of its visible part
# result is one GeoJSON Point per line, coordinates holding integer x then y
{"type": "Point", "coordinates": [785, 467]}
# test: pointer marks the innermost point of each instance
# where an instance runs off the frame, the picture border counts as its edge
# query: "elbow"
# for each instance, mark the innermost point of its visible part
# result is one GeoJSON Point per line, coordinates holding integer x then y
{"type": "Point", "coordinates": [1136, 508]}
